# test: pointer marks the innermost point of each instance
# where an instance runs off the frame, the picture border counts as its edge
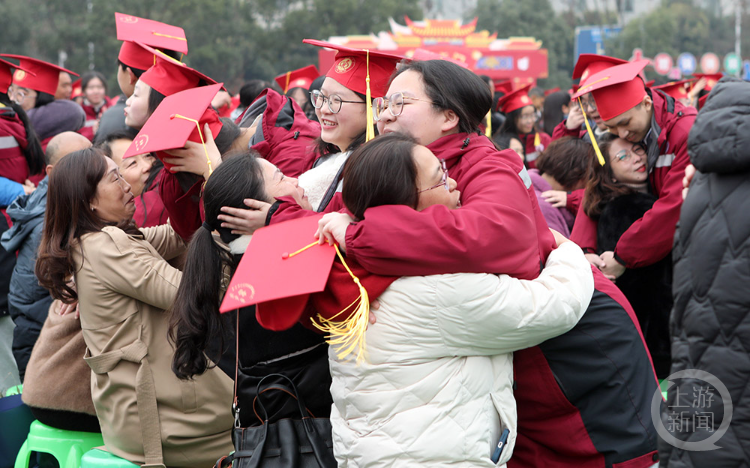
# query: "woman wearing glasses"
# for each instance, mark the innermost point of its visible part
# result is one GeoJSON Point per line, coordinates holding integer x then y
{"type": "Point", "coordinates": [583, 397]}
{"type": "Point", "coordinates": [520, 118]}
{"type": "Point", "coordinates": [616, 196]}
{"type": "Point", "coordinates": [341, 108]}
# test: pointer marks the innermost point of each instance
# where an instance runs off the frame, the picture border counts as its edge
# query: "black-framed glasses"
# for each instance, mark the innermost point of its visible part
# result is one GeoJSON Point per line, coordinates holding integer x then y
{"type": "Point", "coordinates": [394, 104]}
{"type": "Point", "coordinates": [443, 179]}
{"type": "Point", "coordinates": [334, 101]}
{"type": "Point", "coordinates": [624, 155]}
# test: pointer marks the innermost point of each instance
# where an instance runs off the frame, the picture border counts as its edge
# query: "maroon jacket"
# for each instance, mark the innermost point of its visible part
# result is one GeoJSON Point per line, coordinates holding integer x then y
{"type": "Point", "coordinates": [562, 131]}
{"type": "Point", "coordinates": [498, 229]}
{"type": "Point", "coordinates": [12, 143]}
{"type": "Point", "coordinates": [288, 135]}
{"type": "Point", "coordinates": [149, 209]}
{"type": "Point", "coordinates": [650, 238]}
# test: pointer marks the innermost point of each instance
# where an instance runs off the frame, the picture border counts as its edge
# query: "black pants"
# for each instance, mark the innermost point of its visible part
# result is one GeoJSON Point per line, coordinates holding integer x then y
{"type": "Point", "coordinates": [67, 420]}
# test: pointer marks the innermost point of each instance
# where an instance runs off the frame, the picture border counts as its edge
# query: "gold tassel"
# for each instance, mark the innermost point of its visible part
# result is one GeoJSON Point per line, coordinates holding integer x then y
{"type": "Point", "coordinates": [591, 135]}
{"type": "Point", "coordinates": [348, 335]}
{"type": "Point", "coordinates": [370, 132]}
{"type": "Point", "coordinates": [200, 133]}
{"type": "Point", "coordinates": [286, 86]}
{"type": "Point", "coordinates": [537, 140]}
{"type": "Point", "coordinates": [488, 132]}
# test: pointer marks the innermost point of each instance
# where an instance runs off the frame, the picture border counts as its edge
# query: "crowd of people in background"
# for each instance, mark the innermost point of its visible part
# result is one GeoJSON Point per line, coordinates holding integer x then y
{"type": "Point", "coordinates": [522, 267]}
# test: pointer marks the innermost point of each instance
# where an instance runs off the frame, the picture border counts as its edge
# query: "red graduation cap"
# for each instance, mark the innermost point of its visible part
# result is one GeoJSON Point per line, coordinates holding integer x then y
{"type": "Point", "coordinates": [677, 89]}
{"type": "Point", "coordinates": [650, 83]}
{"type": "Point", "coordinates": [178, 119]}
{"type": "Point", "coordinates": [44, 76]}
{"type": "Point", "coordinates": [300, 78]}
{"type": "Point", "coordinates": [711, 79]}
{"type": "Point", "coordinates": [77, 91]}
{"type": "Point", "coordinates": [515, 100]}
{"type": "Point", "coordinates": [6, 74]}
{"type": "Point", "coordinates": [132, 29]}
{"type": "Point", "coordinates": [504, 87]}
{"type": "Point", "coordinates": [279, 271]}
{"type": "Point", "coordinates": [615, 89]}
{"type": "Point", "coordinates": [169, 76]}
{"type": "Point", "coordinates": [551, 91]}
{"type": "Point", "coordinates": [422, 54]}
{"type": "Point", "coordinates": [590, 64]}
{"type": "Point", "coordinates": [351, 68]}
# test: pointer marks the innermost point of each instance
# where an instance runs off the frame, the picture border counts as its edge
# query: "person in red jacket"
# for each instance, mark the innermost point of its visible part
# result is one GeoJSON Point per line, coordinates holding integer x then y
{"type": "Point", "coordinates": [573, 126]}
{"type": "Point", "coordinates": [660, 125]}
{"type": "Point", "coordinates": [520, 116]}
{"type": "Point", "coordinates": [95, 101]}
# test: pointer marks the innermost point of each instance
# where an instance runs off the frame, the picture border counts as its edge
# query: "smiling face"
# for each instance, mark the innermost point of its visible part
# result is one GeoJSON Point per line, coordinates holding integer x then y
{"type": "Point", "coordinates": [418, 117]}
{"type": "Point", "coordinates": [135, 169]}
{"type": "Point", "coordinates": [94, 91]}
{"type": "Point", "coordinates": [525, 120]}
{"type": "Point", "coordinates": [136, 107]}
{"type": "Point", "coordinates": [342, 128]}
{"type": "Point", "coordinates": [113, 202]}
{"type": "Point", "coordinates": [278, 185]}
{"type": "Point", "coordinates": [628, 162]}
{"type": "Point", "coordinates": [432, 181]}
{"type": "Point", "coordinates": [634, 124]}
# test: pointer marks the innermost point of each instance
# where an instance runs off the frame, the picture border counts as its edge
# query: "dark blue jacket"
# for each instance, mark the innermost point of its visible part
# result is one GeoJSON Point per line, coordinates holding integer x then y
{"type": "Point", "coordinates": [28, 302]}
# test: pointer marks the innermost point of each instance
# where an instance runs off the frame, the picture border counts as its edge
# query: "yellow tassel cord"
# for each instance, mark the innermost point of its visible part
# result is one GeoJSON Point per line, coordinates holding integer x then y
{"type": "Point", "coordinates": [591, 135]}
{"type": "Point", "coordinates": [286, 255]}
{"type": "Point", "coordinates": [488, 132]}
{"type": "Point", "coordinates": [537, 140]}
{"type": "Point", "coordinates": [167, 35]}
{"type": "Point", "coordinates": [200, 133]}
{"type": "Point", "coordinates": [349, 334]}
{"type": "Point", "coordinates": [370, 132]}
{"type": "Point", "coordinates": [286, 86]}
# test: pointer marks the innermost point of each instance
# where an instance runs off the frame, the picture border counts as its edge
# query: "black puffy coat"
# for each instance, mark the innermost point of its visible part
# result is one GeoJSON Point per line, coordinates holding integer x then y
{"type": "Point", "coordinates": [710, 322]}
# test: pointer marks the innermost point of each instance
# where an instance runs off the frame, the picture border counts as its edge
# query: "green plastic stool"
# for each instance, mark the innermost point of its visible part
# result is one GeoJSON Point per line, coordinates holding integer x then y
{"type": "Point", "coordinates": [66, 446]}
{"type": "Point", "coordinates": [14, 390]}
{"type": "Point", "coordinates": [100, 459]}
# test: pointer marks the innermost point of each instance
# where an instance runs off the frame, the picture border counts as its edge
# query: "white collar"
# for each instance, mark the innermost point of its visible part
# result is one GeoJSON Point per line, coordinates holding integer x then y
{"type": "Point", "coordinates": [239, 245]}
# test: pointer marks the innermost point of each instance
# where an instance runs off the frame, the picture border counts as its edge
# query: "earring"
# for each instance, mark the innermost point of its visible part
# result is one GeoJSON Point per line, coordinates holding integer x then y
{"type": "Point", "coordinates": [93, 209]}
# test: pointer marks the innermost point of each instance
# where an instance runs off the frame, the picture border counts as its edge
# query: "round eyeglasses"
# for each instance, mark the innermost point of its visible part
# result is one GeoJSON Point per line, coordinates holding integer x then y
{"type": "Point", "coordinates": [443, 179]}
{"type": "Point", "coordinates": [394, 104]}
{"type": "Point", "coordinates": [624, 155]}
{"type": "Point", "coordinates": [334, 101]}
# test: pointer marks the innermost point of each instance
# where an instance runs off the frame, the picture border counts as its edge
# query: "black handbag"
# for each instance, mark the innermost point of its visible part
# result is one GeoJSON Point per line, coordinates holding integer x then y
{"type": "Point", "coordinates": [287, 443]}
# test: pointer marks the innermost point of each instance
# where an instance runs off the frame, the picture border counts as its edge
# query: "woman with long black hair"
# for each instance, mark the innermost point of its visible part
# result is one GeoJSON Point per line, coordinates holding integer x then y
{"type": "Point", "coordinates": [203, 338]}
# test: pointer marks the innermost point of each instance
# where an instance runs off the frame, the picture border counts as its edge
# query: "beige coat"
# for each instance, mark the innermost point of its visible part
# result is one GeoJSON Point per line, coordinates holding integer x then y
{"type": "Point", "coordinates": [124, 286]}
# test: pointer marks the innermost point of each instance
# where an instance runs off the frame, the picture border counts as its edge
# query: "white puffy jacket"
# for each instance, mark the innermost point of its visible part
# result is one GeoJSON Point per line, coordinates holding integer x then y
{"type": "Point", "coordinates": [436, 385]}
